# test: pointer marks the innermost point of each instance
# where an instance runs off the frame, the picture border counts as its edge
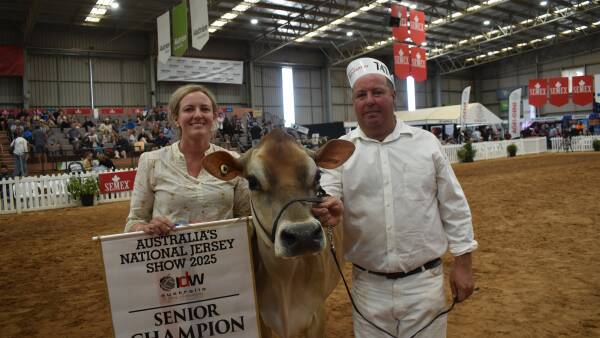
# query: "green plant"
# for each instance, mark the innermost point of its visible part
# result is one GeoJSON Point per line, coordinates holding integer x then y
{"type": "Point", "coordinates": [596, 144]}
{"type": "Point", "coordinates": [466, 153]}
{"type": "Point", "coordinates": [78, 187]}
{"type": "Point", "coordinates": [511, 149]}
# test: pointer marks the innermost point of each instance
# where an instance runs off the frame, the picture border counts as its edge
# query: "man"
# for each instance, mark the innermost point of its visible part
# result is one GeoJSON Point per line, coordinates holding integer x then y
{"type": "Point", "coordinates": [403, 208]}
{"type": "Point", "coordinates": [40, 145]}
{"type": "Point", "coordinates": [20, 150]}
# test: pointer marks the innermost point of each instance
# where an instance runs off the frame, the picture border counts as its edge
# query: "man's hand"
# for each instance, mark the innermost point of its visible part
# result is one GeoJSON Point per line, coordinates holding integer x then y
{"type": "Point", "coordinates": [329, 211]}
{"type": "Point", "coordinates": [461, 277]}
{"type": "Point", "coordinates": [157, 226]}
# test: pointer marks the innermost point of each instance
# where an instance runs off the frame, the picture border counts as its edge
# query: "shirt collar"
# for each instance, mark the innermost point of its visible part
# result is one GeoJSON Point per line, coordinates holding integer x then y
{"type": "Point", "coordinates": [178, 155]}
{"type": "Point", "coordinates": [400, 129]}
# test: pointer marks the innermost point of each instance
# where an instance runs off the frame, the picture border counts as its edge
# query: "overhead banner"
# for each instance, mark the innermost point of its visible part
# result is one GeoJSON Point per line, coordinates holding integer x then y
{"type": "Point", "coordinates": [199, 23]}
{"type": "Point", "coordinates": [11, 61]}
{"type": "Point", "coordinates": [514, 116]}
{"type": "Point", "coordinates": [400, 32]}
{"type": "Point", "coordinates": [582, 90]}
{"type": "Point", "coordinates": [196, 282]}
{"type": "Point", "coordinates": [78, 111]}
{"type": "Point", "coordinates": [464, 106]}
{"type": "Point", "coordinates": [597, 87]}
{"type": "Point", "coordinates": [418, 64]}
{"type": "Point", "coordinates": [111, 111]}
{"type": "Point", "coordinates": [116, 181]}
{"type": "Point", "coordinates": [401, 60]}
{"type": "Point", "coordinates": [163, 32]}
{"type": "Point", "coordinates": [417, 26]}
{"type": "Point", "coordinates": [559, 91]}
{"type": "Point", "coordinates": [538, 92]}
{"type": "Point", "coordinates": [200, 70]}
{"type": "Point", "coordinates": [180, 28]}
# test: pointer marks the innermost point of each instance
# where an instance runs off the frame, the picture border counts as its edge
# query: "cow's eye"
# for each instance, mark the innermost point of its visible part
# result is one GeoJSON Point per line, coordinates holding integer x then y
{"type": "Point", "coordinates": [253, 183]}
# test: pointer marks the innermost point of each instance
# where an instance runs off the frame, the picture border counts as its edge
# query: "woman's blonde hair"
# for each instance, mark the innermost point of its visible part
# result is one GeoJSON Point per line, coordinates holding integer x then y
{"type": "Point", "coordinates": [179, 94]}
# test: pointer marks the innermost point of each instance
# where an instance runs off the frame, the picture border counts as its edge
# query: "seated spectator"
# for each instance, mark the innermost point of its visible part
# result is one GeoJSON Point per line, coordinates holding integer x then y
{"type": "Point", "coordinates": [161, 140]}
{"type": "Point", "coordinates": [87, 124]}
{"type": "Point", "coordinates": [4, 173]}
{"type": "Point", "coordinates": [87, 161]}
{"type": "Point", "coordinates": [122, 147]}
{"type": "Point", "coordinates": [106, 162]}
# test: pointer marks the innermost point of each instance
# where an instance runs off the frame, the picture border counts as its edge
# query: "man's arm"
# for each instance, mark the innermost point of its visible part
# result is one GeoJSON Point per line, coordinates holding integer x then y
{"type": "Point", "coordinates": [462, 282]}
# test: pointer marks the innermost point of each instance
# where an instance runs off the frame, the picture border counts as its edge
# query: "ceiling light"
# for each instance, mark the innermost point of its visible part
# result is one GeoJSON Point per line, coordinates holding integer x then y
{"type": "Point", "coordinates": [543, 3]}
{"type": "Point", "coordinates": [438, 21]}
{"type": "Point", "coordinates": [254, 21]}
{"type": "Point", "coordinates": [219, 23]}
{"type": "Point", "coordinates": [241, 8]}
{"type": "Point", "coordinates": [338, 21]}
{"type": "Point", "coordinates": [212, 29]}
{"type": "Point", "coordinates": [456, 14]}
{"type": "Point", "coordinates": [350, 15]}
{"type": "Point", "coordinates": [424, 43]}
{"type": "Point", "coordinates": [349, 33]}
{"type": "Point", "coordinates": [229, 16]}
{"type": "Point", "coordinates": [561, 10]}
{"type": "Point", "coordinates": [491, 2]}
{"type": "Point", "coordinates": [548, 37]}
{"type": "Point", "coordinates": [98, 11]}
{"type": "Point", "coordinates": [114, 5]}
{"type": "Point", "coordinates": [462, 42]}
{"type": "Point", "coordinates": [486, 23]}
{"type": "Point", "coordinates": [522, 44]}
{"type": "Point", "coordinates": [581, 28]}
{"type": "Point", "coordinates": [92, 19]}
{"type": "Point", "coordinates": [300, 39]}
{"type": "Point", "coordinates": [382, 1]}
{"type": "Point", "coordinates": [568, 31]}
{"type": "Point", "coordinates": [469, 59]}
{"type": "Point", "coordinates": [596, 23]}
{"type": "Point", "coordinates": [252, 1]}
{"type": "Point", "coordinates": [473, 8]}
{"type": "Point", "coordinates": [535, 41]}
{"type": "Point", "coordinates": [524, 22]}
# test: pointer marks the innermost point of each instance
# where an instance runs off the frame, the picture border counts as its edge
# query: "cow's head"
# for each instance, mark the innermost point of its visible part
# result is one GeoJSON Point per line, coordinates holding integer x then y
{"type": "Point", "coordinates": [279, 170]}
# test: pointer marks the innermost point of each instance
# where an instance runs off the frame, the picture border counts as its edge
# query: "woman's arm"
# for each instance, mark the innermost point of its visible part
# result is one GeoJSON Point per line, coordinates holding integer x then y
{"type": "Point", "coordinates": [142, 197]}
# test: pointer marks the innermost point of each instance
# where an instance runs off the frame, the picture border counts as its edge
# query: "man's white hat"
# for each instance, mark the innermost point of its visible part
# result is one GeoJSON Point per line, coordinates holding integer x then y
{"type": "Point", "coordinates": [365, 66]}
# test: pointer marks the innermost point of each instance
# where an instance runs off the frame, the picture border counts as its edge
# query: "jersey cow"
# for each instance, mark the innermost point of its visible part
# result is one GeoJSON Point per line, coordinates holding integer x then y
{"type": "Point", "coordinates": [294, 272]}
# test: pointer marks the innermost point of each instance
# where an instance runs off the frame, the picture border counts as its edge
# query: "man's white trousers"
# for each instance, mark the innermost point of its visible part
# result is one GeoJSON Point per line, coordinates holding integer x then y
{"type": "Point", "coordinates": [400, 306]}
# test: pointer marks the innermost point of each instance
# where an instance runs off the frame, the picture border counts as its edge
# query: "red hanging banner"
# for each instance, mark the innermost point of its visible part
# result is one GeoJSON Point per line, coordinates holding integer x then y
{"type": "Point", "coordinates": [116, 181]}
{"type": "Point", "coordinates": [559, 91]}
{"type": "Point", "coordinates": [418, 64]}
{"type": "Point", "coordinates": [401, 60]}
{"type": "Point", "coordinates": [538, 92]}
{"type": "Point", "coordinates": [135, 110]}
{"type": "Point", "coordinates": [11, 61]}
{"type": "Point", "coordinates": [583, 93]}
{"type": "Point", "coordinates": [417, 27]}
{"type": "Point", "coordinates": [400, 33]}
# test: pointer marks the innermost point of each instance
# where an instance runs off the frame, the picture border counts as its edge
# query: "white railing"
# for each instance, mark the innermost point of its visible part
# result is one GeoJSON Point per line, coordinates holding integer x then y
{"type": "Point", "coordinates": [497, 149]}
{"type": "Point", "coordinates": [46, 192]}
{"type": "Point", "coordinates": [577, 143]}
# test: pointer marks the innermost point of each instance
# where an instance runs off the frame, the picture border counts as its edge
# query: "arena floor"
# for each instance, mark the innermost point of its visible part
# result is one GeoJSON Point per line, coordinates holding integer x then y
{"type": "Point", "coordinates": [537, 219]}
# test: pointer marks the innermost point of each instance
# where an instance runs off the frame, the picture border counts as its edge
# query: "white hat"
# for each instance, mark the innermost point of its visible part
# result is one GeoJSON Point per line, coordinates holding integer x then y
{"type": "Point", "coordinates": [365, 66]}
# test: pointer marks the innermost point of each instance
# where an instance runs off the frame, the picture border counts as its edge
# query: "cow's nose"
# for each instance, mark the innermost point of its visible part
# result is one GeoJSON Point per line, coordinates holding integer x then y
{"type": "Point", "coordinates": [302, 237]}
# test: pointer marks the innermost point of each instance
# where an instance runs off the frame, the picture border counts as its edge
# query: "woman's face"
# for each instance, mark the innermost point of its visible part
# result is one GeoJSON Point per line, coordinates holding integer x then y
{"type": "Point", "coordinates": [196, 115]}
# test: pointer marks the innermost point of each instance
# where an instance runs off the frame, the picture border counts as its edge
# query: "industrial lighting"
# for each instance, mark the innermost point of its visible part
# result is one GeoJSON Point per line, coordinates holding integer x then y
{"type": "Point", "coordinates": [543, 3]}
{"type": "Point", "coordinates": [229, 16]}
{"type": "Point", "coordinates": [98, 11]}
{"type": "Point", "coordinates": [568, 31]}
{"type": "Point", "coordinates": [596, 23]}
{"type": "Point", "coordinates": [473, 8]}
{"type": "Point", "coordinates": [114, 5]}
{"type": "Point", "coordinates": [219, 23]}
{"type": "Point", "coordinates": [548, 37]}
{"type": "Point", "coordinates": [349, 33]}
{"type": "Point", "coordinates": [254, 21]}
{"type": "Point", "coordinates": [580, 28]}
{"type": "Point", "coordinates": [424, 43]}
{"type": "Point", "coordinates": [438, 21]}
{"type": "Point", "coordinates": [240, 8]}
{"type": "Point", "coordinates": [92, 19]}
{"type": "Point", "coordinates": [212, 29]}
{"type": "Point", "coordinates": [486, 23]}
{"type": "Point", "coordinates": [456, 14]}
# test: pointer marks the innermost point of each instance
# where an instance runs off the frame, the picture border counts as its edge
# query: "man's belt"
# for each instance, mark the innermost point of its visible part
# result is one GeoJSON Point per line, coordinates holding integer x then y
{"type": "Point", "coordinates": [395, 275]}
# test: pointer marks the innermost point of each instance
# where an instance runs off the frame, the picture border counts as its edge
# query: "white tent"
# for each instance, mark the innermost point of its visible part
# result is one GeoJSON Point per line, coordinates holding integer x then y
{"type": "Point", "coordinates": [477, 114]}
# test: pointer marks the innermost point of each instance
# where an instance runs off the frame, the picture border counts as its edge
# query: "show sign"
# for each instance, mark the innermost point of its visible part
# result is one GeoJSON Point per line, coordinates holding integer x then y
{"type": "Point", "coordinates": [195, 282]}
{"type": "Point", "coordinates": [116, 181]}
{"type": "Point", "coordinates": [183, 69]}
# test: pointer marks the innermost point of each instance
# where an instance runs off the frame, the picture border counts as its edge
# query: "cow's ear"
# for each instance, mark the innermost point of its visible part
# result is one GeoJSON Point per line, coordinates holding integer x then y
{"type": "Point", "coordinates": [222, 165]}
{"type": "Point", "coordinates": [333, 154]}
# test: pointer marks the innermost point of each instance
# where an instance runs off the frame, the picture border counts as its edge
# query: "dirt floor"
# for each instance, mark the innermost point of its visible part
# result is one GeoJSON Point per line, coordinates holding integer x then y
{"type": "Point", "coordinates": [537, 219]}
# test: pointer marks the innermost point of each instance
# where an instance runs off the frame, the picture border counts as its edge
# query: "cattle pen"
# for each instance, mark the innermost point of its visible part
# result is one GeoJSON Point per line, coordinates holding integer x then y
{"type": "Point", "coordinates": [536, 218]}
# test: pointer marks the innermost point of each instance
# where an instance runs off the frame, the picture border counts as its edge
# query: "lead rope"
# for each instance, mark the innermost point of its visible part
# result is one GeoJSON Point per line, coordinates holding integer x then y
{"type": "Point", "coordinates": [332, 250]}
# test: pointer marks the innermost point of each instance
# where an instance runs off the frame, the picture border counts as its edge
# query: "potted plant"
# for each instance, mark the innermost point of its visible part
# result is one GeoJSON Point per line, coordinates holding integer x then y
{"type": "Point", "coordinates": [512, 150]}
{"type": "Point", "coordinates": [466, 153]}
{"type": "Point", "coordinates": [596, 144]}
{"type": "Point", "coordinates": [84, 189]}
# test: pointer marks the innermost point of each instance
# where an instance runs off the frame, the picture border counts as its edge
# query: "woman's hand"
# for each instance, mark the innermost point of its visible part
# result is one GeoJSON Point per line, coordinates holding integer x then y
{"type": "Point", "coordinates": [158, 226]}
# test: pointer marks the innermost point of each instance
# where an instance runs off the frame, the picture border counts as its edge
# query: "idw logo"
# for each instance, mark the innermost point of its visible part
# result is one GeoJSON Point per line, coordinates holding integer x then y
{"type": "Point", "coordinates": [168, 283]}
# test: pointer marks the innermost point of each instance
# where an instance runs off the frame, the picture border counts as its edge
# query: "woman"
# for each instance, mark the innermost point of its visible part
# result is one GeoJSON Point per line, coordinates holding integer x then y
{"type": "Point", "coordinates": [171, 185]}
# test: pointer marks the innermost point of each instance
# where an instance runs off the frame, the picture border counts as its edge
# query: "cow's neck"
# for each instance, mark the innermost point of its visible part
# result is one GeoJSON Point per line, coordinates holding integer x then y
{"type": "Point", "coordinates": [290, 290]}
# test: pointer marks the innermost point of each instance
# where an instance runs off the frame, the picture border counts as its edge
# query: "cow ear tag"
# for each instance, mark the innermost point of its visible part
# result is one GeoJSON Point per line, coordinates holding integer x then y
{"type": "Point", "coordinates": [224, 169]}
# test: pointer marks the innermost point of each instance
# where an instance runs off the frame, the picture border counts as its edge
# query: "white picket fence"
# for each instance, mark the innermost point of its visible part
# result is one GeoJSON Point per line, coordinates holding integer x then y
{"type": "Point", "coordinates": [36, 193]}
{"type": "Point", "coordinates": [578, 143]}
{"type": "Point", "coordinates": [497, 149]}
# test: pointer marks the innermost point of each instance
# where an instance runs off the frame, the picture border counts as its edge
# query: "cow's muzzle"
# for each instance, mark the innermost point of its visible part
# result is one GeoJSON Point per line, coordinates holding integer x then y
{"type": "Point", "coordinates": [298, 239]}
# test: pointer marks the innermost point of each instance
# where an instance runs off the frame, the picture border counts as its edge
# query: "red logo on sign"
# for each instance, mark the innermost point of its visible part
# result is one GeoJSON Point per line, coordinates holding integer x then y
{"type": "Point", "coordinates": [583, 93]}
{"type": "Point", "coordinates": [117, 181]}
{"type": "Point", "coordinates": [538, 92]}
{"type": "Point", "coordinates": [559, 91]}
{"type": "Point", "coordinates": [401, 60]}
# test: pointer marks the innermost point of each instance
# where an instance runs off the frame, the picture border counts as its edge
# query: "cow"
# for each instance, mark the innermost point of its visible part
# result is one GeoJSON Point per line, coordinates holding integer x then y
{"type": "Point", "coordinates": [294, 271]}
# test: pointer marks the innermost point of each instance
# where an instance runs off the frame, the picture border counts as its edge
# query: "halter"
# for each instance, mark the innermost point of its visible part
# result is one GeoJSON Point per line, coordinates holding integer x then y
{"type": "Point", "coordinates": [271, 237]}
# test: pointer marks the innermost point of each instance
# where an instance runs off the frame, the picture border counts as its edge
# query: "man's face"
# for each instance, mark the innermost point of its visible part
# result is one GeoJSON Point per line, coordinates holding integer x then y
{"type": "Point", "coordinates": [374, 105]}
